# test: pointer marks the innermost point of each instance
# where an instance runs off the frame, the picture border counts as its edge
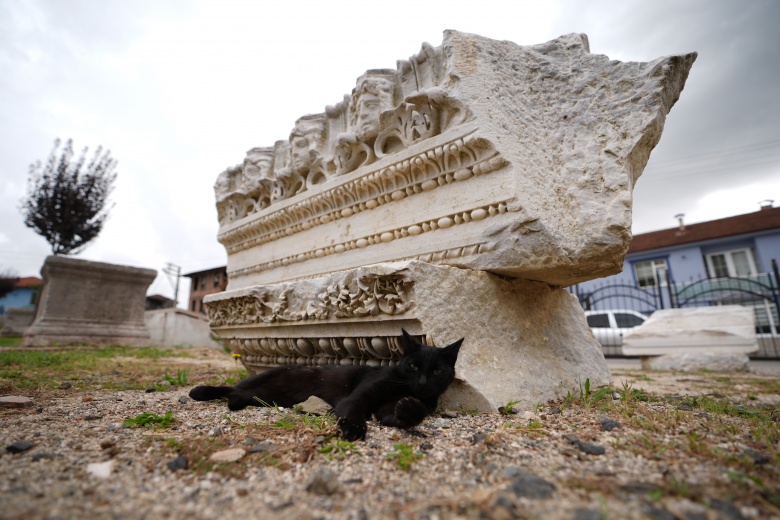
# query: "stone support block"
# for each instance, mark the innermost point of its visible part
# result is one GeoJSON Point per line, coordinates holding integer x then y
{"type": "Point", "coordinates": [90, 302]}
{"type": "Point", "coordinates": [724, 329]}
{"type": "Point", "coordinates": [524, 340]}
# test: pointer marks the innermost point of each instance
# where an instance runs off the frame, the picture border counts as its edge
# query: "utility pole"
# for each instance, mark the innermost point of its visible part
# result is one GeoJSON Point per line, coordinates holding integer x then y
{"type": "Point", "coordinates": [172, 269]}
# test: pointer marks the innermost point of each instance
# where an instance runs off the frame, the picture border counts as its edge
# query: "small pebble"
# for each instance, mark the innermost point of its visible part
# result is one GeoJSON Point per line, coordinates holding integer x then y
{"type": "Point", "coordinates": [230, 455]}
{"type": "Point", "coordinates": [756, 456]}
{"type": "Point", "coordinates": [183, 399]}
{"type": "Point", "coordinates": [264, 447]}
{"type": "Point", "coordinates": [608, 424]}
{"type": "Point", "coordinates": [324, 482]}
{"type": "Point", "coordinates": [150, 390]}
{"type": "Point", "coordinates": [66, 385]}
{"type": "Point", "coordinates": [178, 463]}
{"type": "Point", "coordinates": [19, 447]}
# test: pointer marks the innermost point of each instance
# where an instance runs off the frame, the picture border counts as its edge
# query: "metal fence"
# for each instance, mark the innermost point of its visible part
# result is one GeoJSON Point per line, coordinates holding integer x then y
{"type": "Point", "coordinates": [614, 308]}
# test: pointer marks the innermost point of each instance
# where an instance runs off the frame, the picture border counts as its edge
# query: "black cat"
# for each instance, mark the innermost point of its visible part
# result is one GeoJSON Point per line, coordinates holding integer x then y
{"type": "Point", "coordinates": [399, 396]}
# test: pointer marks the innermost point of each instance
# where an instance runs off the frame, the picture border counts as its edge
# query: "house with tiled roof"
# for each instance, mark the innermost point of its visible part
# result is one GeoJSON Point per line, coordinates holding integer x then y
{"type": "Point", "coordinates": [23, 295]}
{"type": "Point", "coordinates": [728, 261]}
{"type": "Point", "coordinates": [738, 246]}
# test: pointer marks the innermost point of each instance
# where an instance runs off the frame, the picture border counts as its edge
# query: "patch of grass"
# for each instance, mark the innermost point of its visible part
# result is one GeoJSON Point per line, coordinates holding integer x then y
{"type": "Point", "coordinates": [10, 341]}
{"type": "Point", "coordinates": [148, 420]}
{"type": "Point", "coordinates": [339, 449]}
{"type": "Point", "coordinates": [109, 367]}
{"type": "Point", "coordinates": [404, 455]}
{"type": "Point", "coordinates": [469, 411]}
{"type": "Point", "coordinates": [182, 376]}
{"type": "Point", "coordinates": [507, 408]}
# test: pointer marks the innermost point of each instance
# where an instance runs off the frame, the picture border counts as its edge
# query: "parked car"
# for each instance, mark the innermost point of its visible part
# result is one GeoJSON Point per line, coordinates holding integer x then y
{"type": "Point", "coordinates": [609, 326]}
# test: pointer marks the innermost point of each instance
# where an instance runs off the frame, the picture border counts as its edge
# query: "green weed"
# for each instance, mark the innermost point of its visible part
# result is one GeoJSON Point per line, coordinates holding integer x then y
{"type": "Point", "coordinates": [339, 449]}
{"type": "Point", "coordinates": [181, 379]}
{"type": "Point", "coordinates": [404, 455]}
{"type": "Point", "coordinates": [148, 420]}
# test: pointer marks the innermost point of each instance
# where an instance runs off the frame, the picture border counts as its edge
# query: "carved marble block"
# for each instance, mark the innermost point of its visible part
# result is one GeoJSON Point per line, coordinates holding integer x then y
{"type": "Point", "coordinates": [484, 154]}
{"type": "Point", "coordinates": [524, 340]}
{"type": "Point", "coordinates": [413, 202]}
{"type": "Point", "coordinates": [90, 302]}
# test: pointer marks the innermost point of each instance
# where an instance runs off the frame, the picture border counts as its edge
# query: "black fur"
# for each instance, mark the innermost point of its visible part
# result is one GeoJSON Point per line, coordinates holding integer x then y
{"type": "Point", "coordinates": [399, 396]}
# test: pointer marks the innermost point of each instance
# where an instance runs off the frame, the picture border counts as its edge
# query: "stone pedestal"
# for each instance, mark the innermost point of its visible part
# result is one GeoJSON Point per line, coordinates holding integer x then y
{"type": "Point", "coordinates": [523, 340]}
{"type": "Point", "coordinates": [17, 320]}
{"type": "Point", "coordinates": [179, 328]}
{"type": "Point", "coordinates": [90, 302]}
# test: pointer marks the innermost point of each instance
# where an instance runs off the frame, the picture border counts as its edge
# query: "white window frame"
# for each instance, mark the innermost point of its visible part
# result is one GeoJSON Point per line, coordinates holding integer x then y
{"type": "Point", "coordinates": [655, 264]}
{"type": "Point", "coordinates": [730, 267]}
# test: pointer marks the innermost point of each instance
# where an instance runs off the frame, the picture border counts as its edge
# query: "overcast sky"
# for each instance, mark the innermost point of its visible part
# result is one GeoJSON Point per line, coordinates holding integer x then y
{"type": "Point", "coordinates": [180, 90]}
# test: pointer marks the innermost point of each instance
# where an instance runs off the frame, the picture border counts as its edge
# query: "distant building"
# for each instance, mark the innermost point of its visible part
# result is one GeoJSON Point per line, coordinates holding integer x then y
{"type": "Point", "coordinates": [24, 294]}
{"type": "Point", "coordinates": [705, 255]}
{"type": "Point", "coordinates": [205, 282]}
{"type": "Point", "coordinates": [158, 301]}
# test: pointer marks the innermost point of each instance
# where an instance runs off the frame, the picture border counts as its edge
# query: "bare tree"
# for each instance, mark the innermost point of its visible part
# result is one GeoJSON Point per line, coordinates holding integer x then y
{"type": "Point", "coordinates": [66, 201]}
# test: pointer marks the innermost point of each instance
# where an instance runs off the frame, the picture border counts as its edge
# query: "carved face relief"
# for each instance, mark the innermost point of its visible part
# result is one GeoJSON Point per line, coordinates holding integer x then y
{"type": "Point", "coordinates": [371, 97]}
{"type": "Point", "coordinates": [257, 168]}
{"type": "Point", "coordinates": [300, 147]}
{"type": "Point", "coordinates": [367, 114]}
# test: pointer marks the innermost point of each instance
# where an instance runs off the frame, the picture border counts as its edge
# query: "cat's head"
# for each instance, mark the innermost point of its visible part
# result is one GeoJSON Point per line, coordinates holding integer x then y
{"type": "Point", "coordinates": [428, 370]}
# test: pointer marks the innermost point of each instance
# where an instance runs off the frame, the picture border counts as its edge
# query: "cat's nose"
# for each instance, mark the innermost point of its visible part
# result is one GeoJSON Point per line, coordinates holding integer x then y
{"type": "Point", "coordinates": [422, 380]}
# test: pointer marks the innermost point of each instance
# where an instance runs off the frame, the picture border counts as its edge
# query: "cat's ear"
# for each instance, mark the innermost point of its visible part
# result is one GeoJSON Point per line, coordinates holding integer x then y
{"type": "Point", "coordinates": [450, 352]}
{"type": "Point", "coordinates": [409, 343]}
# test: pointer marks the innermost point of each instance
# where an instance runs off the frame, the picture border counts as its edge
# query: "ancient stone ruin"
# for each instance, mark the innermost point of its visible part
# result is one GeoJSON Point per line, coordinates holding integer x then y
{"type": "Point", "coordinates": [453, 196]}
{"type": "Point", "coordinates": [90, 302]}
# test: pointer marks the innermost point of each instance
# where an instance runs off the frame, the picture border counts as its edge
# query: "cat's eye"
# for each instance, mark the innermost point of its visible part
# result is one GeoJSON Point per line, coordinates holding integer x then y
{"type": "Point", "coordinates": [436, 372]}
{"type": "Point", "coordinates": [414, 368]}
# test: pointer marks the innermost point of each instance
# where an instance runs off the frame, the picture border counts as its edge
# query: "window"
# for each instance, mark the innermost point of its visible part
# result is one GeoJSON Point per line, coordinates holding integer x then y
{"type": "Point", "coordinates": [650, 271]}
{"type": "Point", "coordinates": [600, 321]}
{"type": "Point", "coordinates": [202, 282]}
{"type": "Point", "coordinates": [738, 262]}
{"type": "Point", "coordinates": [216, 279]}
{"type": "Point", "coordinates": [194, 282]}
{"type": "Point", "coordinates": [626, 321]}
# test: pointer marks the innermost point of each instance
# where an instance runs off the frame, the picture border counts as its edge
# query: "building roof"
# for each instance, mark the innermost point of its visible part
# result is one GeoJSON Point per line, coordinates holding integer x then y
{"type": "Point", "coordinates": [766, 219]}
{"type": "Point", "coordinates": [221, 269]}
{"type": "Point", "coordinates": [159, 298]}
{"type": "Point", "coordinates": [29, 281]}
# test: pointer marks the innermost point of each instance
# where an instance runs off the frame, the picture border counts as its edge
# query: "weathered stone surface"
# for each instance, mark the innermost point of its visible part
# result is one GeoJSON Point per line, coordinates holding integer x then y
{"type": "Point", "coordinates": [315, 406]}
{"type": "Point", "coordinates": [17, 320]}
{"type": "Point", "coordinates": [727, 329]}
{"type": "Point", "coordinates": [697, 361]}
{"type": "Point", "coordinates": [101, 469]}
{"type": "Point", "coordinates": [177, 327]}
{"type": "Point", "coordinates": [524, 340]}
{"type": "Point", "coordinates": [90, 302]}
{"type": "Point", "coordinates": [230, 455]}
{"type": "Point", "coordinates": [15, 401]}
{"type": "Point", "coordinates": [518, 160]}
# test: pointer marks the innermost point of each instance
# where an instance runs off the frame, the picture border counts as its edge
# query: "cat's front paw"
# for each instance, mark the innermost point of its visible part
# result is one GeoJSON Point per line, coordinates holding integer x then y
{"type": "Point", "coordinates": [409, 412]}
{"type": "Point", "coordinates": [352, 430]}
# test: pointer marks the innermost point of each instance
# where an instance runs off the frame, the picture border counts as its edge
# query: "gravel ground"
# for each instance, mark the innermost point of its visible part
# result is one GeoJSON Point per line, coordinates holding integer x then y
{"type": "Point", "coordinates": [667, 452]}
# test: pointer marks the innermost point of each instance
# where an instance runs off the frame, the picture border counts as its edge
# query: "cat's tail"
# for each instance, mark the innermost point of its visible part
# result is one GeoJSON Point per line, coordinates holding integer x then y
{"type": "Point", "coordinates": [237, 400]}
{"type": "Point", "coordinates": [209, 393]}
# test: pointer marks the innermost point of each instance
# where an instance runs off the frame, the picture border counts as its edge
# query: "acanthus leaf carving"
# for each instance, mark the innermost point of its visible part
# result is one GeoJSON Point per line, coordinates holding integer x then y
{"type": "Point", "coordinates": [369, 296]}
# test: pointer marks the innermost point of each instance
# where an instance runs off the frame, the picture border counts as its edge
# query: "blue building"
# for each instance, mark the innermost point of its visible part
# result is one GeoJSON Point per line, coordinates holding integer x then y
{"type": "Point", "coordinates": [677, 267]}
{"type": "Point", "coordinates": [24, 294]}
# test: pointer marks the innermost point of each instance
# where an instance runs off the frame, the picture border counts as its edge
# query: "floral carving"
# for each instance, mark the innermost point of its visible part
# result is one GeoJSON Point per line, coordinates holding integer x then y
{"type": "Point", "coordinates": [371, 295]}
